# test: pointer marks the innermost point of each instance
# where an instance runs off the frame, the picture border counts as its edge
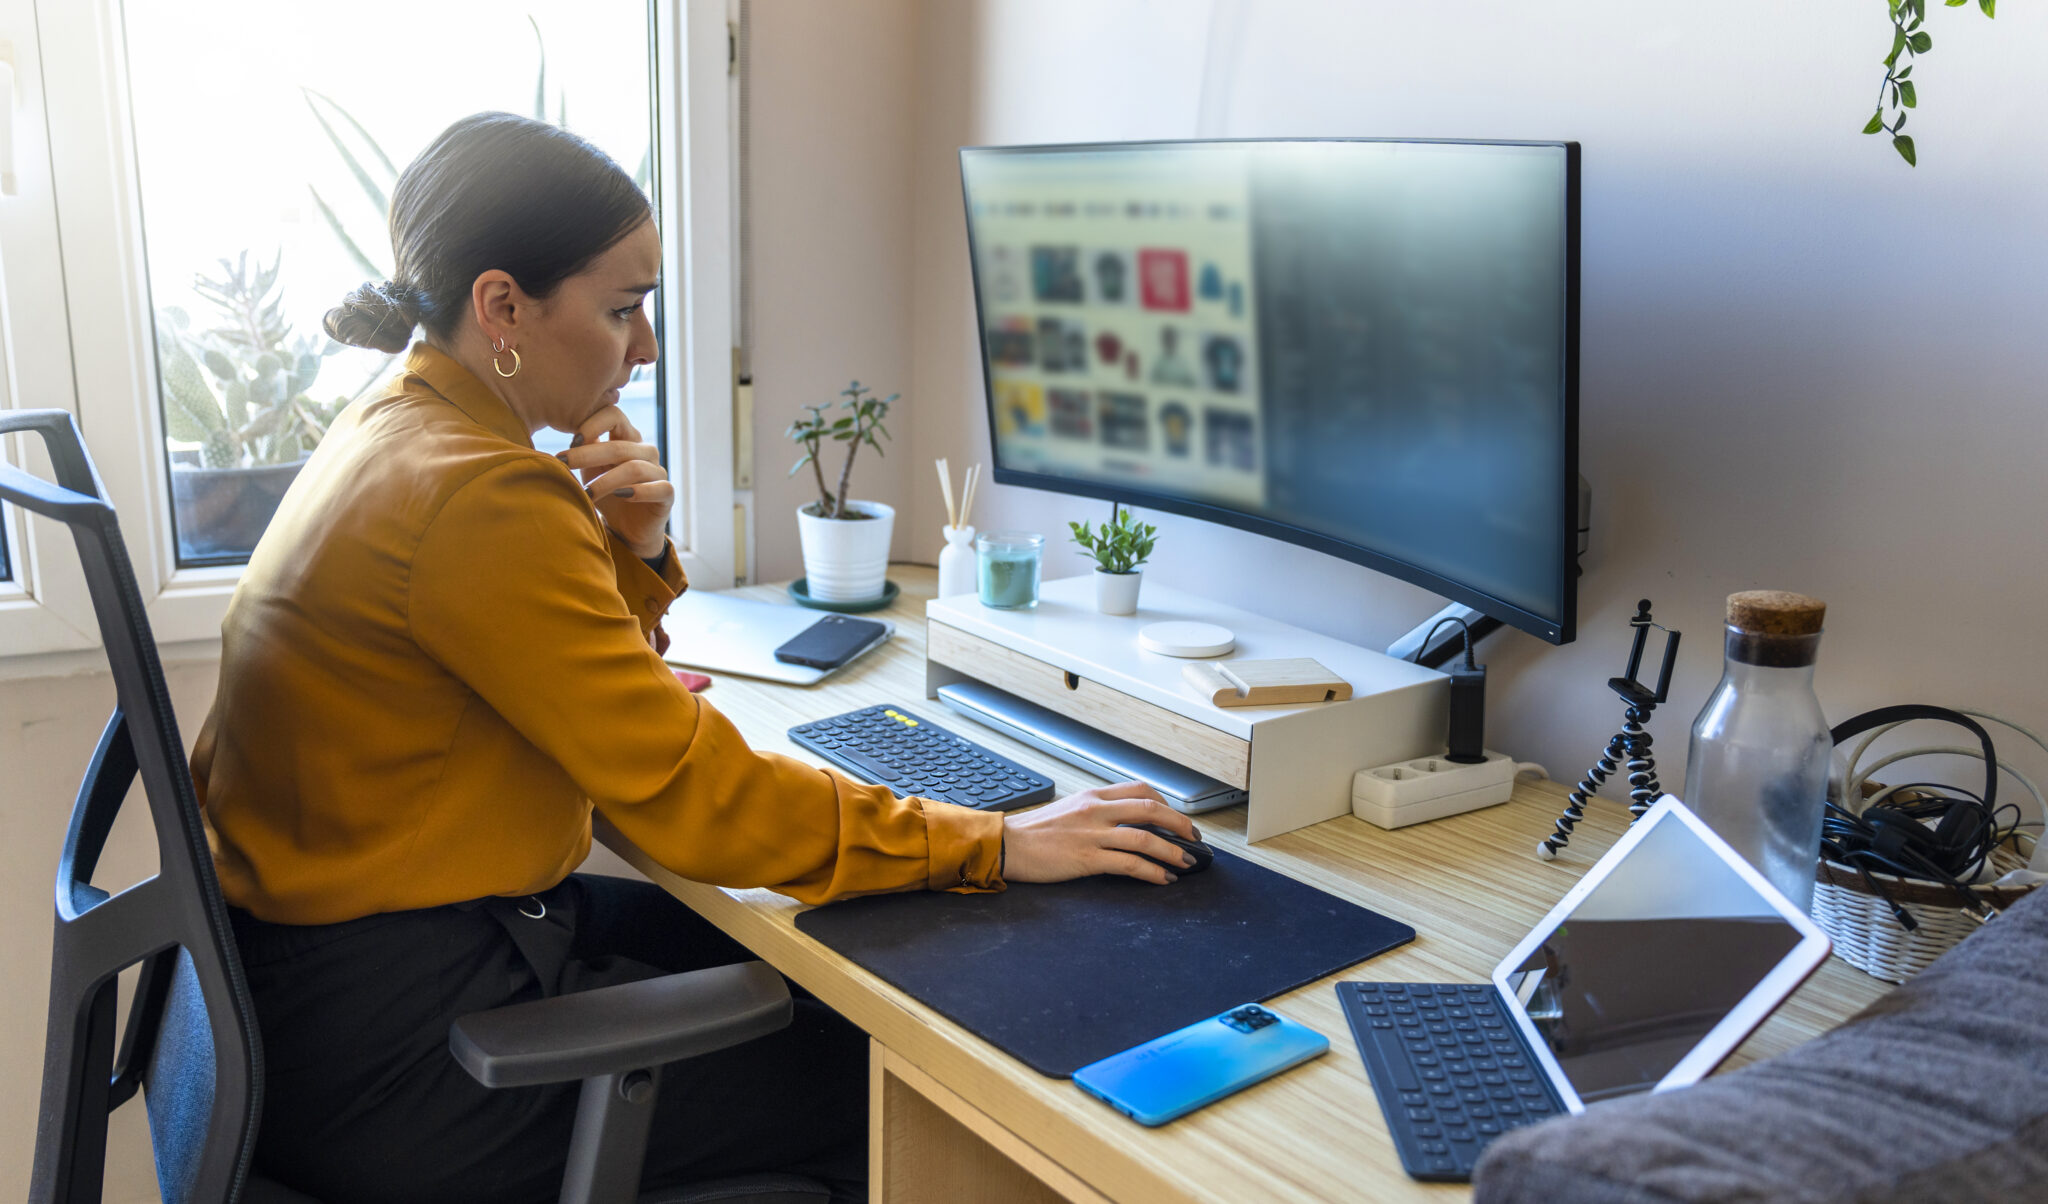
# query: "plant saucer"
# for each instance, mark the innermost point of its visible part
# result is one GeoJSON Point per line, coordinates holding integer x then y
{"type": "Point", "coordinates": [801, 595]}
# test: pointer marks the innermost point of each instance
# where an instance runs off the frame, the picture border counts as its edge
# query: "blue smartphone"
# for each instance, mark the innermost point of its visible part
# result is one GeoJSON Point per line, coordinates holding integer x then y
{"type": "Point", "coordinates": [1175, 1074]}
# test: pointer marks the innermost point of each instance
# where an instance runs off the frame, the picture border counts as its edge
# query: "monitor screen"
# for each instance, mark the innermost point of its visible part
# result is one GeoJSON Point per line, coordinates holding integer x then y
{"type": "Point", "coordinates": [1365, 347]}
{"type": "Point", "coordinates": [1663, 949]}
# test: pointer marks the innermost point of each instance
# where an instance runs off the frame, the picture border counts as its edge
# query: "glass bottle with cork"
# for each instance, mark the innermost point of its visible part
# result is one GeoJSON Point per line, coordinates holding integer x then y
{"type": "Point", "coordinates": [1757, 772]}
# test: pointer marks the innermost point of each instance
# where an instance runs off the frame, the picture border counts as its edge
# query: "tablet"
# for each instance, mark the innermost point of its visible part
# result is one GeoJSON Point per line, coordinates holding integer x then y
{"type": "Point", "coordinates": [1662, 960]}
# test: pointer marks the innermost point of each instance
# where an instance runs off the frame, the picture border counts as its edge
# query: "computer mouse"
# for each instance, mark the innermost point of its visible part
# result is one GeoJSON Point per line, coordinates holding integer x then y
{"type": "Point", "coordinates": [1202, 853]}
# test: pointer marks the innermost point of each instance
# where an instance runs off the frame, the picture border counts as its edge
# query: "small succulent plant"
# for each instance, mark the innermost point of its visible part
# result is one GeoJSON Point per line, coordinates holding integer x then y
{"type": "Point", "coordinates": [1121, 545]}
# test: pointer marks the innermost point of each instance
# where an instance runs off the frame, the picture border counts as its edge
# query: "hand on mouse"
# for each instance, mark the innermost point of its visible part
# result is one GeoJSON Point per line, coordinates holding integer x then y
{"type": "Point", "coordinates": [1078, 835]}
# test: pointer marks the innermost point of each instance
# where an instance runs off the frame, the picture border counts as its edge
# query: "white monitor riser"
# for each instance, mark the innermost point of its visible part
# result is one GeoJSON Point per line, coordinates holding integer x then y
{"type": "Point", "coordinates": [1295, 761]}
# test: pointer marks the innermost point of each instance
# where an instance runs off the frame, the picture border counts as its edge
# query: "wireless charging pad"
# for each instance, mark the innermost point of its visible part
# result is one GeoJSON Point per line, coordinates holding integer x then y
{"type": "Point", "coordinates": [1182, 638]}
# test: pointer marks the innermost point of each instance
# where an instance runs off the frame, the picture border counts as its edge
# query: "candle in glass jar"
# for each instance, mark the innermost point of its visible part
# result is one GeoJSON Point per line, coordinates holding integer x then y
{"type": "Point", "coordinates": [1007, 569]}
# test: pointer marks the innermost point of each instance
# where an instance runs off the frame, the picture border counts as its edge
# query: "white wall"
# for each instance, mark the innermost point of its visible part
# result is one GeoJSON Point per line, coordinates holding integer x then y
{"type": "Point", "coordinates": [831, 115]}
{"type": "Point", "coordinates": [1804, 364]}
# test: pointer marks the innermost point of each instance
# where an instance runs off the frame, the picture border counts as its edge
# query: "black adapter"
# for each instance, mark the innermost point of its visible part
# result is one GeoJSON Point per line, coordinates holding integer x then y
{"type": "Point", "coordinates": [1466, 741]}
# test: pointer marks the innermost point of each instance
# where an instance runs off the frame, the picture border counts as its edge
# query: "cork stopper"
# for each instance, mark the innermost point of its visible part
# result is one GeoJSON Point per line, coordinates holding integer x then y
{"type": "Point", "coordinates": [1775, 612]}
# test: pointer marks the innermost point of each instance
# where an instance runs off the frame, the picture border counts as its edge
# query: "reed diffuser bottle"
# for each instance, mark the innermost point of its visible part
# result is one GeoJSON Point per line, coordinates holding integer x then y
{"type": "Point", "coordinates": [956, 559]}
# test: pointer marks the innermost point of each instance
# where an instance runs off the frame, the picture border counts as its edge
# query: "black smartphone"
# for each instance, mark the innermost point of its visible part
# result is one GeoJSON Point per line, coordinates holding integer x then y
{"type": "Point", "coordinates": [831, 642]}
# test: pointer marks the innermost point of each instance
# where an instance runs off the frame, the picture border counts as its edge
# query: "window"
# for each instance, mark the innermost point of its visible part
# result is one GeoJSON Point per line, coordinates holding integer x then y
{"type": "Point", "coordinates": [43, 607]}
{"type": "Point", "coordinates": [268, 138]}
{"type": "Point", "coordinates": [221, 168]}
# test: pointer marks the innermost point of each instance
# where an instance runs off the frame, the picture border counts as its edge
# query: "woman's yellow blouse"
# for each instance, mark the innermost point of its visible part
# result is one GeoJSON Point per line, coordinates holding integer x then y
{"type": "Point", "coordinates": [439, 660]}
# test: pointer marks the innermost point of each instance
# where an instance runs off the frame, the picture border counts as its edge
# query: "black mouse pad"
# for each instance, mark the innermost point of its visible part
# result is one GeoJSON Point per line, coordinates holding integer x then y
{"type": "Point", "coordinates": [1063, 975]}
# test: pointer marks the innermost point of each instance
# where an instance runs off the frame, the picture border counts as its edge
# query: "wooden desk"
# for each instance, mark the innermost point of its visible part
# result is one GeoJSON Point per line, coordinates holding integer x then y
{"type": "Point", "coordinates": [954, 1119]}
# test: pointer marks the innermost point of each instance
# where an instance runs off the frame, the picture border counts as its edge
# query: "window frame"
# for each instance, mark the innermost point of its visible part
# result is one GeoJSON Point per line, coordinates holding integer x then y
{"type": "Point", "coordinates": [113, 390]}
{"type": "Point", "coordinates": [43, 603]}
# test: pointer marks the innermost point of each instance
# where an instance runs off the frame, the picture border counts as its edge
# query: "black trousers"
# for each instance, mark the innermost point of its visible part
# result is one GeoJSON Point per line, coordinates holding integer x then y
{"type": "Point", "coordinates": [364, 1103]}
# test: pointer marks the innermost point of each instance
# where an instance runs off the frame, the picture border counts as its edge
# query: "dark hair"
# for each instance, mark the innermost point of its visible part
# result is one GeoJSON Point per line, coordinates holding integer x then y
{"type": "Point", "coordinates": [495, 190]}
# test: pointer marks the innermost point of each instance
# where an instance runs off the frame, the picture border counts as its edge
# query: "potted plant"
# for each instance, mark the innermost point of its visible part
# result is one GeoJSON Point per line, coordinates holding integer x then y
{"type": "Point", "coordinates": [239, 391]}
{"type": "Point", "coordinates": [845, 541]}
{"type": "Point", "coordinates": [1119, 548]}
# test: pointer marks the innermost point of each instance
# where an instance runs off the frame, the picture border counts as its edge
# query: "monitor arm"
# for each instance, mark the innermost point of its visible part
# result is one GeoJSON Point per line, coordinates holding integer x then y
{"type": "Point", "coordinates": [1449, 637]}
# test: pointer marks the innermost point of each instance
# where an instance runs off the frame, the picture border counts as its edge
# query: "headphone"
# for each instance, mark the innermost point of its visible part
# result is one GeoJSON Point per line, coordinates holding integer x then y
{"type": "Point", "coordinates": [1893, 834]}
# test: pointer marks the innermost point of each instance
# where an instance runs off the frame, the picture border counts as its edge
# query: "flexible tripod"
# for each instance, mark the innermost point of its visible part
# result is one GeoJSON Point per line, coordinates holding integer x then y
{"type": "Point", "coordinates": [1632, 742]}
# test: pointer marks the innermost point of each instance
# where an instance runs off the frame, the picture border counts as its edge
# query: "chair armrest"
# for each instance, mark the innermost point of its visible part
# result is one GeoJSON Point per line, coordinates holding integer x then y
{"type": "Point", "coordinates": [611, 1030]}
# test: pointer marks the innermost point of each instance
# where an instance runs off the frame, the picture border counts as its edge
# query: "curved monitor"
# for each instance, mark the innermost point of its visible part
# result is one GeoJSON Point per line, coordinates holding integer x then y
{"type": "Point", "coordinates": [1366, 347]}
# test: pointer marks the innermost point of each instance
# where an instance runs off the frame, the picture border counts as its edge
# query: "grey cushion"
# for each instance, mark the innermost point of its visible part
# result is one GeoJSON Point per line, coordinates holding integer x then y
{"type": "Point", "coordinates": [1937, 1092]}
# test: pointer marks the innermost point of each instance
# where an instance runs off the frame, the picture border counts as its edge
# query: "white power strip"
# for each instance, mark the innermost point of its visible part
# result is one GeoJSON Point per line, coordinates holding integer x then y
{"type": "Point", "coordinates": [1409, 792]}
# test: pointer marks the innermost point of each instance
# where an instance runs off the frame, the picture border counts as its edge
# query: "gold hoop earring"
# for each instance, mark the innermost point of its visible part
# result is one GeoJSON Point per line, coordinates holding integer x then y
{"type": "Point", "coordinates": [515, 363]}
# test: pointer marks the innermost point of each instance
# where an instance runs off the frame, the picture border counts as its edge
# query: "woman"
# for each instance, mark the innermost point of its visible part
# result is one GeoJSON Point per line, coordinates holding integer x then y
{"type": "Point", "coordinates": [443, 655]}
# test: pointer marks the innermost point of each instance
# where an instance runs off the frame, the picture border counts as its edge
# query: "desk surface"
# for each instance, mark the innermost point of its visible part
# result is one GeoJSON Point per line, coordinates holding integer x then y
{"type": "Point", "coordinates": [1471, 886]}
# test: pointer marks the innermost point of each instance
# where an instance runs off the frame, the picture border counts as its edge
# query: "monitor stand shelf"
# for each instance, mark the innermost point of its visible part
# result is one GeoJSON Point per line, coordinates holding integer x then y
{"type": "Point", "coordinates": [1295, 761]}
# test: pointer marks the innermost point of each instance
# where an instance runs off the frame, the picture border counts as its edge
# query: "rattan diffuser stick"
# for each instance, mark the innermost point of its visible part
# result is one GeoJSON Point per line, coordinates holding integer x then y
{"type": "Point", "coordinates": [968, 483]}
{"type": "Point", "coordinates": [953, 516]}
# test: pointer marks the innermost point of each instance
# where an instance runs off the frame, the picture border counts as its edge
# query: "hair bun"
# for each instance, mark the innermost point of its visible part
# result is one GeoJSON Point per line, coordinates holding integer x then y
{"type": "Point", "coordinates": [376, 315]}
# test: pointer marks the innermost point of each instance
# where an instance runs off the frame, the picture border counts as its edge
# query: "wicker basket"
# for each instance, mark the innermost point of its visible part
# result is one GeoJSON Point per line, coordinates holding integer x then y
{"type": "Point", "coordinates": [1869, 938]}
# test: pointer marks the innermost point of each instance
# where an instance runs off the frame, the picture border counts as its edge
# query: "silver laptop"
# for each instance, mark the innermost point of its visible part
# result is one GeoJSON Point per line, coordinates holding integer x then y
{"type": "Point", "coordinates": [1663, 958]}
{"type": "Point", "coordinates": [724, 633]}
{"type": "Point", "coordinates": [1090, 749]}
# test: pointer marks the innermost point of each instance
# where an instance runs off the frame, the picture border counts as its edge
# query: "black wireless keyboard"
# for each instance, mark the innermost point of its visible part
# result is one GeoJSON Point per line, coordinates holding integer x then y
{"type": "Point", "coordinates": [1450, 1069]}
{"type": "Point", "coordinates": [912, 755]}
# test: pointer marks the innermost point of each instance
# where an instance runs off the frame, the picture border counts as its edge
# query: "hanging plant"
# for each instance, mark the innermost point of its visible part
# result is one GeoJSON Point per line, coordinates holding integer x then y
{"type": "Point", "coordinates": [1898, 92]}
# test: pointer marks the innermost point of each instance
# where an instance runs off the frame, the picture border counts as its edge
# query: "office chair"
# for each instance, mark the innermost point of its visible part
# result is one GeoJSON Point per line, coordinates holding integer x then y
{"type": "Point", "coordinates": [191, 1041]}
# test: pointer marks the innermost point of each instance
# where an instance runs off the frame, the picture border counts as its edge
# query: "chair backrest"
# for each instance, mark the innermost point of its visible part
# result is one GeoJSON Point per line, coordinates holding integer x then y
{"type": "Point", "coordinates": [191, 1040]}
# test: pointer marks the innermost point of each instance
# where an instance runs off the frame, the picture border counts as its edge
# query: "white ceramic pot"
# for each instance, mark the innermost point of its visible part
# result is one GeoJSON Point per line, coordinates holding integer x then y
{"type": "Point", "coordinates": [1117, 593]}
{"type": "Point", "coordinates": [846, 559]}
